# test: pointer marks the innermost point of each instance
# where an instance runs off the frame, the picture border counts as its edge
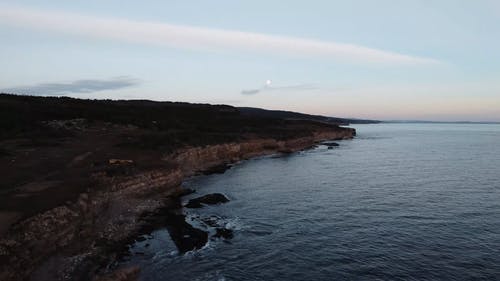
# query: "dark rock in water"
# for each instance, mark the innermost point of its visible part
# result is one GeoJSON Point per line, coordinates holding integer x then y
{"type": "Point", "coordinates": [223, 233]}
{"type": "Point", "coordinates": [209, 199]}
{"type": "Point", "coordinates": [212, 221]}
{"type": "Point", "coordinates": [330, 144]}
{"type": "Point", "coordinates": [218, 169]}
{"type": "Point", "coordinates": [192, 204]}
{"type": "Point", "coordinates": [184, 235]}
{"type": "Point", "coordinates": [140, 238]}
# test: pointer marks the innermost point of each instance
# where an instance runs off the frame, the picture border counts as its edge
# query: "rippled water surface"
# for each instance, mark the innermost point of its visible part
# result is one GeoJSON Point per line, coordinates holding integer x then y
{"type": "Point", "coordinates": [398, 202]}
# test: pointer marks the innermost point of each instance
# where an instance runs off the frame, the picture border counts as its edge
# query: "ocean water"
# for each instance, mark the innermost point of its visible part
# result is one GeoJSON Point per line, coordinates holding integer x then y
{"type": "Point", "coordinates": [398, 202]}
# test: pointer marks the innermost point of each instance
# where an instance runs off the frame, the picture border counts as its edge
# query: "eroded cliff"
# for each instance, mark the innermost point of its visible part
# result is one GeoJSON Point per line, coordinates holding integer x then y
{"type": "Point", "coordinates": [68, 240]}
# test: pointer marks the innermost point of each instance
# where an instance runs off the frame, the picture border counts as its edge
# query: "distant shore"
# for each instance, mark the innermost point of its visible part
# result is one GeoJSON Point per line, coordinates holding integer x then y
{"type": "Point", "coordinates": [437, 122]}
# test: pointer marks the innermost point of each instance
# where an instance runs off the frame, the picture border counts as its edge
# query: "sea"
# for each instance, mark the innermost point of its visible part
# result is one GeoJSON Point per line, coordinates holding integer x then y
{"type": "Point", "coordinates": [397, 202]}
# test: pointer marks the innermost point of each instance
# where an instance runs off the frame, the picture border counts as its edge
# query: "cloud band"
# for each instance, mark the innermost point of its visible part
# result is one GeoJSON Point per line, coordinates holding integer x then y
{"type": "Point", "coordinates": [179, 36]}
{"type": "Point", "coordinates": [74, 87]}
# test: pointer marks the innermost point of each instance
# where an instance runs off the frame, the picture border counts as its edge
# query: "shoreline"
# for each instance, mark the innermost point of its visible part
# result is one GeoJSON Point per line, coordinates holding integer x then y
{"type": "Point", "coordinates": [80, 238]}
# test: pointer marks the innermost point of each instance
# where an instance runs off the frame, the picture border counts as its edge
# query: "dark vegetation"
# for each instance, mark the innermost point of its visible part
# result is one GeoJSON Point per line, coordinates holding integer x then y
{"type": "Point", "coordinates": [264, 113]}
{"type": "Point", "coordinates": [23, 114]}
{"type": "Point", "coordinates": [164, 125]}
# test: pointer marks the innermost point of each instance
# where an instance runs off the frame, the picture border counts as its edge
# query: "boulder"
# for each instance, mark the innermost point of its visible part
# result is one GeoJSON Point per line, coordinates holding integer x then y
{"type": "Point", "coordinates": [209, 199]}
{"type": "Point", "coordinates": [185, 236]}
{"type": "Point", "coordinates": [330, 144]}
{"type": "Point", "coordinates": [223, 233]}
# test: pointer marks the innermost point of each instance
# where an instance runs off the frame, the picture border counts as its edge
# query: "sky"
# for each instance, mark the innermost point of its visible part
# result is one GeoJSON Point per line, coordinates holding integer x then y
{"type": "Point", "coordinates": [384, 59]}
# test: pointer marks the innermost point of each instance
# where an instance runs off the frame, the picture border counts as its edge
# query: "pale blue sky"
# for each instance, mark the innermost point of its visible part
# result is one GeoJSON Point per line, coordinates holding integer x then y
{"type": "Point", "coordinates": [436, 60]}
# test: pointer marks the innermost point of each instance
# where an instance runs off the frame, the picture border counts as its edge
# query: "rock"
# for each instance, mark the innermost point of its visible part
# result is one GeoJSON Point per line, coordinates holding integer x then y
{"type": "Point", "coordinates": [120, 161]}
{"type": "Point", "coordinates": [212, 221]}
{"type": "Point", "coordinates": [209, 199]}
{"type": "Point", "coordinates": [330, 144]}
{"type": "Point", "coordinates": [193, 205]}
{"type": "Point", "coordinates": [140, 238]}
{"type": "Point", "coordinates": [184, 235]}
{"type": "Point", "coordinates": [223, 233]}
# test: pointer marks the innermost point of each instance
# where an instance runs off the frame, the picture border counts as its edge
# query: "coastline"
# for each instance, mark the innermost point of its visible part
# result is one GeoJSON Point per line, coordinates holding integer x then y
{"type": "Point", "coordinates": [77, 239]}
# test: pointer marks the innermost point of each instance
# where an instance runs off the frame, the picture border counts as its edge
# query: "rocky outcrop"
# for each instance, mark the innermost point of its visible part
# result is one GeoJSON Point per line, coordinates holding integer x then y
{"type": "Point", "coordinates": [329, 143]}
{"type": "Point", "coordinates": [223, 233]}
{"type": "Point", "coordinates": [209, 199]}
{"type": "Point", "coordinates": [185, 236]}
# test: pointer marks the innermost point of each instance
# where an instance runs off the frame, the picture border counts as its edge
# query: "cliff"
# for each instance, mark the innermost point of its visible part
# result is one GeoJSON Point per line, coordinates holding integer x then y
{"type": "Point", "coordinates": [70, 201]}
{"type": "Point", "coordinates": [193, 160]}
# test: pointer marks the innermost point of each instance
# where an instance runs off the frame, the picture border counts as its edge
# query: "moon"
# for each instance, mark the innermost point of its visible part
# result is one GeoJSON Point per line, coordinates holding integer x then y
{"type": "Point", "coordinates": [268, 82]}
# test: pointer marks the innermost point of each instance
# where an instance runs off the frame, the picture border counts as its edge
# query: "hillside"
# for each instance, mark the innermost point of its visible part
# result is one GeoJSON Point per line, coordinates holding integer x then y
{"type": "Point", "coordinates": [174, 123]}
{"type": "Point", "coordinates": [265, 113]}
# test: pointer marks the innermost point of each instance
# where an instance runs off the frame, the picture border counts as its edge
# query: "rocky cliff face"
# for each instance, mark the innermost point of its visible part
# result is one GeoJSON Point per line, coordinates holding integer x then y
{"type": "Point", "coordinates": [70, 241]}
{"type": "Point", "coordinates": [83, 228]}
{"type": "Point", "coordinates": [193, 160]}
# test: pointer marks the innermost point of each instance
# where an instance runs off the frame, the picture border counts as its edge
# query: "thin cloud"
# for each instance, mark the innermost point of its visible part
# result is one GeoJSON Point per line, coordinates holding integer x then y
{"type": "Point", "coordinates": [250, 92]}
{"type": "Point", "coordinates": [298, 87]}
{"type": "Point", "coordinates": [74, 87]}
{"type": "Point", "coordinates": [198, 38]}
